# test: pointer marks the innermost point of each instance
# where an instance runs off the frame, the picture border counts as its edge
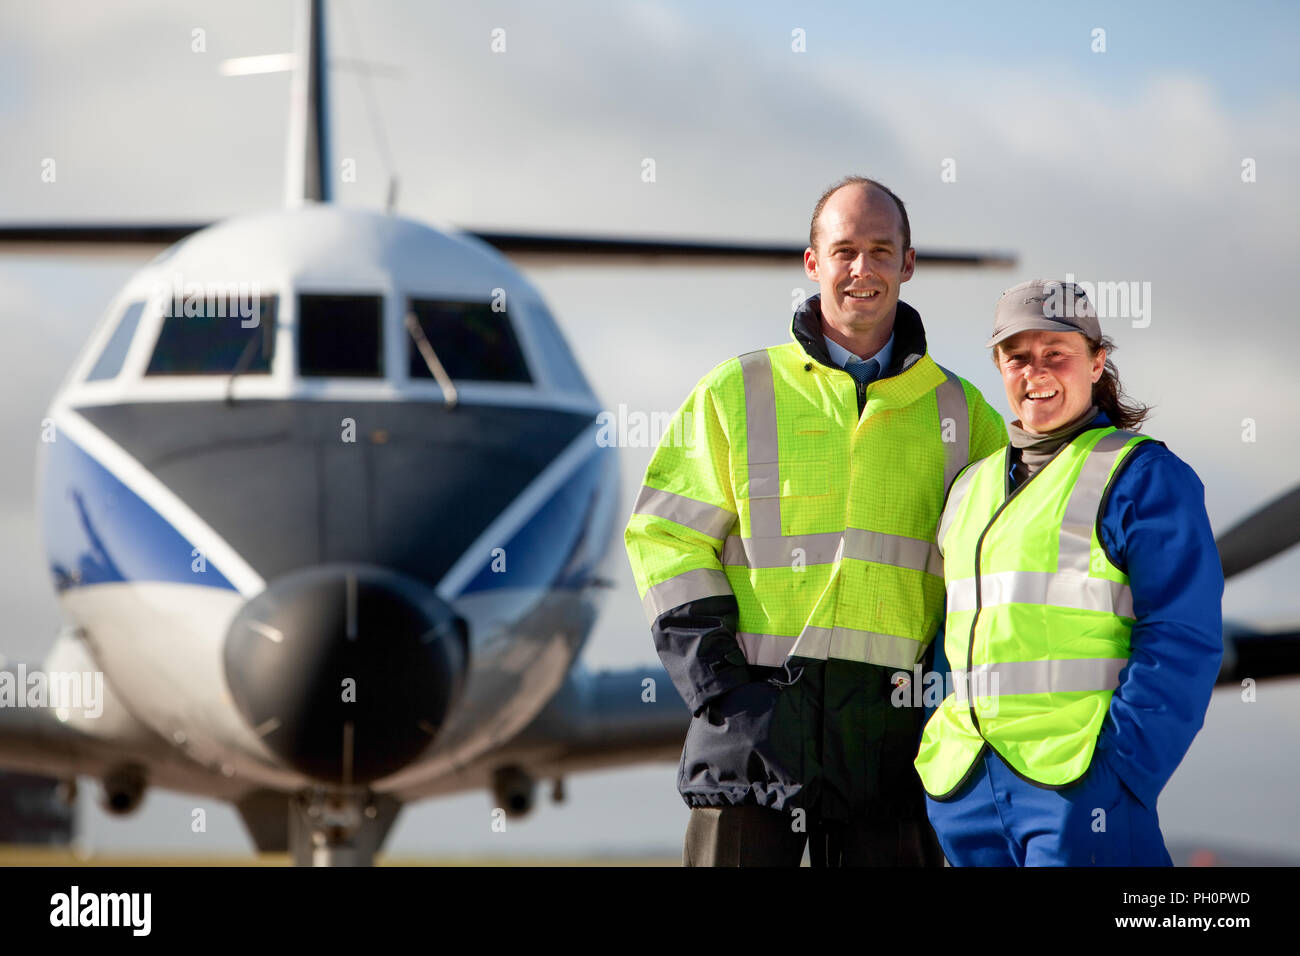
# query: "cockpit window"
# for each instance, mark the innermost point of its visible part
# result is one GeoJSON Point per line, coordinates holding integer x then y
{"type": "Point", "coordinates": [114, 354]}
{"type": "Point", "coordinates": [340, 336]}
{"type": "Point", "coordinates": [224, 337]}
{"type": "Point", "coordinates": [472, 342]}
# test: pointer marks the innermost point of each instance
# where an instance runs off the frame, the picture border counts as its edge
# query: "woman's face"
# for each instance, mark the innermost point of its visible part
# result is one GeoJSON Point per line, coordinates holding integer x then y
{"type": "Point", "coordinates": [1048, 377]}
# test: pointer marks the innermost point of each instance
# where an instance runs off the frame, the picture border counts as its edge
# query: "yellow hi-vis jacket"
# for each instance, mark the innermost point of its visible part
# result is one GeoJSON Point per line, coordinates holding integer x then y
{"type": "Point", "coordinates": [789, 515]}
{"type": "Point", "coordinates": [1038, 620]}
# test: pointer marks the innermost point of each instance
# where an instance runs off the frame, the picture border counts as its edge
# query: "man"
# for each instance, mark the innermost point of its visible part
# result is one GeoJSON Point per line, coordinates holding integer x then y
{"type": "Point", "coordinates": [784, 554]}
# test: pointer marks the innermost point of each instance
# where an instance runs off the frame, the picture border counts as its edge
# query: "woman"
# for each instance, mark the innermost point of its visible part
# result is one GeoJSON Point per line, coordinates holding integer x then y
{"type": "Point", "coordinates": [1083, 620]}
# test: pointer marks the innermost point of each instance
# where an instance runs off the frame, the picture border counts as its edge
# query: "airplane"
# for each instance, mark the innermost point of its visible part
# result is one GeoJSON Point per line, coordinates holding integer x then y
{"type": "Point", "coordinates": [323, 503]}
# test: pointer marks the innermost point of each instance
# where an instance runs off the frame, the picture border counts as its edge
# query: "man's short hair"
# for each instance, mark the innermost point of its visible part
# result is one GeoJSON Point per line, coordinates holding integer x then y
{"type": "Point", "coordinates": [859, 181]}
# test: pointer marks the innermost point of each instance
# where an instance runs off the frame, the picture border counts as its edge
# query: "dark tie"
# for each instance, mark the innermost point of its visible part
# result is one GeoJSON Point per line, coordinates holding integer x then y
{"type": "Point", "coordinates": [862, 371]}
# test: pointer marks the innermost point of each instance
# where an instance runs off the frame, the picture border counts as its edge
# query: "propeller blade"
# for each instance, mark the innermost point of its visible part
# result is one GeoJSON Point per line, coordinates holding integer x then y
{"type": "Point", "coordinates": [543, 246]}
{"type": "Point", "coordinates": [1252, 654]}
{"type": "Point", "coordinates": [1269, 531]}
{"type": "Point", "coordinates": [72, 238]}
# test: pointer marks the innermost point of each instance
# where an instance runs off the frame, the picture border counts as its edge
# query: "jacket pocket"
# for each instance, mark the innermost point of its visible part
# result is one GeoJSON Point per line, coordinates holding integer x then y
{"type": "Point", "coordinates": [802, 479]}
{"type": "Point", "coordinates": [807, 479]}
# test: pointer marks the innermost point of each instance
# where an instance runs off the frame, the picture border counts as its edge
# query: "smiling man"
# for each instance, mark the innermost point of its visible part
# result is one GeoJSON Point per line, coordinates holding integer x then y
{"type": "Point", "coordinates": [859, 253]}
{"type": "Point", "coordinates": [785, 559]}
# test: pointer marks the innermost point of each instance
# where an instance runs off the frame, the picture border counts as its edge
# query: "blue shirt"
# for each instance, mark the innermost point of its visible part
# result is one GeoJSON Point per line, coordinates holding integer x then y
{"type": "Point", "coordinates": [842, 356]}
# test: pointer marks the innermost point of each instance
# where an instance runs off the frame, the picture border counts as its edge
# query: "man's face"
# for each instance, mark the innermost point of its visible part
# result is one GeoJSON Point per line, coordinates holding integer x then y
{"type": "Point", "coordinates": [860, 263]}
{"type": "Point", "coordinates": [1048, 377]}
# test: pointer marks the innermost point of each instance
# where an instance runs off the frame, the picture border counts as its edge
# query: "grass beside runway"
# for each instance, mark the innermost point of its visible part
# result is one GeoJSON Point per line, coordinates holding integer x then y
{"type": "Point", "coordinates": [64, 856]}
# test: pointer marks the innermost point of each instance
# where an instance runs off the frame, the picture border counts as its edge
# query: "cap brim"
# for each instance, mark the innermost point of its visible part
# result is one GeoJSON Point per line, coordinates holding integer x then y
{"type": "Point", "coordinates": [1031, 325]}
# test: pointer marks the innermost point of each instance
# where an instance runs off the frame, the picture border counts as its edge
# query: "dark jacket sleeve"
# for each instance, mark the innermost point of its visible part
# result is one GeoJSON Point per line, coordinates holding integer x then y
{"type": "Point", "coordinates": [697, 644]}
{"type": "Point", "coordinates": [1155, 528]}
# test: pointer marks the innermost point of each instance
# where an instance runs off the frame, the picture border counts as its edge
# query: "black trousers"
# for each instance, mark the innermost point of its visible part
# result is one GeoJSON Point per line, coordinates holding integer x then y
{"type": "Point", "coordinates": [759, 836]}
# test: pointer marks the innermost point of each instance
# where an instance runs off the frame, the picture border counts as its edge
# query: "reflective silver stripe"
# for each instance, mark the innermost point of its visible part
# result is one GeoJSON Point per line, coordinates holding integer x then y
{"type": "Point", "coordinates": [1085, 501]}
{"type": "Point", "coordinates": [1039, 677]}
{"type": "Point", "coordinates": [1070, 585]}
{"type": "Point", "coordinates": [760, 437]}
{"type": "Point", "coordinates": [779, 552]}
{"type": "Point", "coordinates": [951, 399]}
{"type": "Point", "coordinates": [867, 647]}
{"type": "Point", "coordinates": [697, 515]}
{"type": "Point", "coordinates": [765, 650]}
{"type": "Point", "coordinates": [687, 586]}
{"type": "Point", "coordinates": [955, 498]}
{"type": "Point", "coordinates": [1071, 590]}
{"type": "Point", "coordinates": [893, 549]}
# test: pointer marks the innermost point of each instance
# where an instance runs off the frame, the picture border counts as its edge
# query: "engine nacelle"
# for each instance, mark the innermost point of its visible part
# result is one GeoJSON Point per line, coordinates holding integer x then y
{"type": "Point", "coordinates": [122, 789]}
{"type": "Point", "coordinates": [513, 790]}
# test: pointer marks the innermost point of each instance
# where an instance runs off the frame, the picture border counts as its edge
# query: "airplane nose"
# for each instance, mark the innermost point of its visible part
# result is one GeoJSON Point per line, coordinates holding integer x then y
{"type": "Point", "coordinates": [346, 672]}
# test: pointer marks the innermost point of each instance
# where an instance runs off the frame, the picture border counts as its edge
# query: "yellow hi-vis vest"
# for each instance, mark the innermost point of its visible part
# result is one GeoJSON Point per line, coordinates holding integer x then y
{"type": "Point", "coordinates": [1038, 620]}
{"type": "Point", "coordinates": [769, 485]}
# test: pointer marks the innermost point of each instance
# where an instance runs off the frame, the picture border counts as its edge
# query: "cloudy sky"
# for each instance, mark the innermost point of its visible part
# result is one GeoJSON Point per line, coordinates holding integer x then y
{"type": "Point", "coordinates": [1122, 165]}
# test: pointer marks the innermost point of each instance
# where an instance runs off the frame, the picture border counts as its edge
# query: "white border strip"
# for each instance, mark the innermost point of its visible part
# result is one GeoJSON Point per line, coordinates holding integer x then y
{"type": "Point", "coordinates": [519, 512]}
{"type": "Point", "coordinates": [158, 496]}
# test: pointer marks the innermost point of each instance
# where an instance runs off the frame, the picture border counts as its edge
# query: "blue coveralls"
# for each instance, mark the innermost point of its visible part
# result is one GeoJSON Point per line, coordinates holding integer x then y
{"type": "Point", "coordinates": [1153, 526]}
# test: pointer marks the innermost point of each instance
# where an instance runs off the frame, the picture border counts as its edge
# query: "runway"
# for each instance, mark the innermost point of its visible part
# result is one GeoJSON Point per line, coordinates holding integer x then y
{"type": "Point", "coordinates": [63, 856]}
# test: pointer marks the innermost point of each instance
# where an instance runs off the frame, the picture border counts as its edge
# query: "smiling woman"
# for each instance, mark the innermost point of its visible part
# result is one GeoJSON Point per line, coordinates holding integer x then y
{"type": "Point", "coordinates": [1065, 354]}
{"type": "Point", "coordinates": [1048, 377]}
{"type": "Point", "coordinates": [1083, 617]}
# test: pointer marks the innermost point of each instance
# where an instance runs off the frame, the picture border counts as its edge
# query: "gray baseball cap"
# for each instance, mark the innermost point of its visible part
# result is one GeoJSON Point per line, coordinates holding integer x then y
{"type": "Point", "coordinates": [1047, 304]}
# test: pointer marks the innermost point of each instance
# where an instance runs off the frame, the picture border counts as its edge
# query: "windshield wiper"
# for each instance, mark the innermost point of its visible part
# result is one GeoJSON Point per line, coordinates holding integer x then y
{"type": "Point", "coordinates": [431, 360]}
{"type": "Point", "coordinates": [245, 359]}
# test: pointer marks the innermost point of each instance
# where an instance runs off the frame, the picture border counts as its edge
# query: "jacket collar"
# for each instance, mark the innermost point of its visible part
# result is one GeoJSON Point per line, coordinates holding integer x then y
{"type": "Point", "coordinates": [909, 336]}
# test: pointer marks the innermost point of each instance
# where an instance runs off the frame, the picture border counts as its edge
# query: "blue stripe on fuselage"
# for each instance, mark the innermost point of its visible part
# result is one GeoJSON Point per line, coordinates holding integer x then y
{"type": "Point", "coordinates": [538, 555]}
{"type": "Point", "coordinates": [99, 531]}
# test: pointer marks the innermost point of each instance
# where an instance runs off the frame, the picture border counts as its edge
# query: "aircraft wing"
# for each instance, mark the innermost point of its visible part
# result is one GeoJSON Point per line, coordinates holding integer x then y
{"type": "Point", "coordinates": [528, 248]}
{"type": "Point", "coordinates": [596, 721]}
{"type": "Point", "coordinates": [609, 718]}
{"type": "Point", "coordinates": [36, 740]}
